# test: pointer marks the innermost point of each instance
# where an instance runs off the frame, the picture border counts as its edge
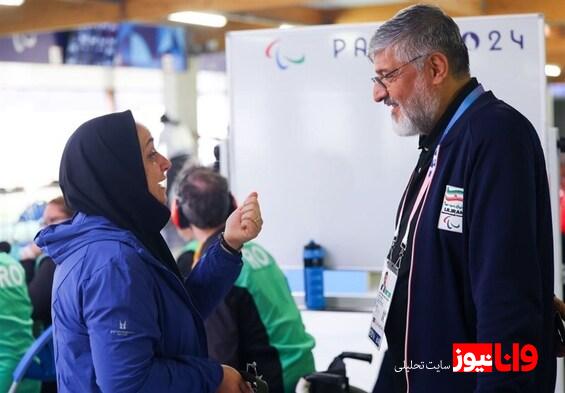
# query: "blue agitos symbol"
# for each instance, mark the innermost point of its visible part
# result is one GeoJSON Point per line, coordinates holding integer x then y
{"type": "Point", "coordinates": [281, 60]}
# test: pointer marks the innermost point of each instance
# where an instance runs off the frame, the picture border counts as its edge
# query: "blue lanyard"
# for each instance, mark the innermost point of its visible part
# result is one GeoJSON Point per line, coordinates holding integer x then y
{"type": "Point", "coordinates": [467, 102]}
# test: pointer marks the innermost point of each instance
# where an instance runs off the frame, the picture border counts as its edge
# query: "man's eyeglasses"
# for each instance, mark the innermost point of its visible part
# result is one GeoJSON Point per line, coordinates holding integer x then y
{"type": "Point", "coordinates": [392, 74]}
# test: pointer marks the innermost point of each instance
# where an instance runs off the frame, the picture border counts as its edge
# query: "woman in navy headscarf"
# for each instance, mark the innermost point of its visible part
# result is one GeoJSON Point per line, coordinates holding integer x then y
{"type": "Point", "coordinates": [124, 321]}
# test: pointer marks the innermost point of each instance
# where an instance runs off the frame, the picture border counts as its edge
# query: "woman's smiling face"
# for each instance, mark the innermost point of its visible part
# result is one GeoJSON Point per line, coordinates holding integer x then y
{"type": "Point", "coordinates": [155, 165]}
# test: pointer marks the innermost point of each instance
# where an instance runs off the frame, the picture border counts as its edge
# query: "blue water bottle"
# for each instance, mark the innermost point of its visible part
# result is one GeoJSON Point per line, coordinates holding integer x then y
{"type": "Point", "coordinates": [314, 276]}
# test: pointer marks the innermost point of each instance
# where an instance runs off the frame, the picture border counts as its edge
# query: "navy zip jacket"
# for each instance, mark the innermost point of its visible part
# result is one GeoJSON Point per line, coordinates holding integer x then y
{"type": "Point", "coordinates": [123, 321]}
{"type": "Point", "coordinates": [483, 275]}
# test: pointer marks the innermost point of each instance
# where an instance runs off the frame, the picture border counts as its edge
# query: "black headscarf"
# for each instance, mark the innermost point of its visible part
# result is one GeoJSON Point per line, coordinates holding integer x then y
{"type": "Point", "coordinates": [102, 174]}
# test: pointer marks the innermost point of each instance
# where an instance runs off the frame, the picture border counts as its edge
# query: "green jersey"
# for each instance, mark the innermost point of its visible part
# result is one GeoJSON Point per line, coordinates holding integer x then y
{"type": "Point", "coordinates": [15, 323]}
{"type": "Point", "coordinates": [267, 284]}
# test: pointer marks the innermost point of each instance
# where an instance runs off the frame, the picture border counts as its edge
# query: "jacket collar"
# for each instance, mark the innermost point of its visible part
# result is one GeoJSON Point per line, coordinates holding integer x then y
{"type": "Point", "coordinates": [427, 142]}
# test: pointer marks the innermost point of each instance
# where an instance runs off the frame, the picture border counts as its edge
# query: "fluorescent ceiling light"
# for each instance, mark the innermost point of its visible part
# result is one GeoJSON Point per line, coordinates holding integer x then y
{"type": "Point", "coordinates": [286, 26]}
{"type": "Point", "coordinates": [552, 70]}
{"type": "Point", "coordinates": [199, 18]}
{"type": "Point", "coordinates": [12, 2]}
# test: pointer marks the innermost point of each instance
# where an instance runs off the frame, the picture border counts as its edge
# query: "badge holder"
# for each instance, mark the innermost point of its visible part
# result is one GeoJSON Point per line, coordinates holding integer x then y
{"type": "Point", "coordinates": [384, 297]}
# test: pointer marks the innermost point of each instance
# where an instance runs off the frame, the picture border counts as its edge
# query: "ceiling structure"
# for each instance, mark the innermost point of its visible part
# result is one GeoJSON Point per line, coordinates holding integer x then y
{"type": "Point", "coordinates": [50, 15]}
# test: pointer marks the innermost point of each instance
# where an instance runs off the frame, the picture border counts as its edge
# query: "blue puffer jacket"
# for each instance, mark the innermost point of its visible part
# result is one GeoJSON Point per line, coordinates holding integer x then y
{"type": "Point", "coordinates": [123, 322]}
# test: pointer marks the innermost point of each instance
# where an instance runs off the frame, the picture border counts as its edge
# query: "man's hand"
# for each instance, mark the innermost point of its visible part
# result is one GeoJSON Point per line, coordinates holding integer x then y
{"type": "Point", "coordinates": [244, 223]}
{"type": "Point", "coordinates": [232, 382]}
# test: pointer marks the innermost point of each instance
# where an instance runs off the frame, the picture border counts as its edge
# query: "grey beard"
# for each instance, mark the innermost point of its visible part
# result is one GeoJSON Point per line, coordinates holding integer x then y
{"type": "Point", "coordinates": [417, 115]}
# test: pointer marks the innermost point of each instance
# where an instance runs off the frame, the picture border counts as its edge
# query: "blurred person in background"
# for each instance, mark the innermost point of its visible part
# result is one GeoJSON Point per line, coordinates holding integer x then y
{"type": "Point", "coordinates": [41, 284]}
{"type": "Point", "coordinates": [55, 212]}
{"type": "Point", "coordinates": [258, 321]}
{"type": "Point", "coordinates": [15, 321]}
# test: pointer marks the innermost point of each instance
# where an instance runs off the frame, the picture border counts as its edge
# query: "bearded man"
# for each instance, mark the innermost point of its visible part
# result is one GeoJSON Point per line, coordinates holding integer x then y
{"type": "Point", "coordinates": [471, 259]}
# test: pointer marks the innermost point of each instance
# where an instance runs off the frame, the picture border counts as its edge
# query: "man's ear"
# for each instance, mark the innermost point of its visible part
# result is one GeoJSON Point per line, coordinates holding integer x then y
{"type": "Point", "coordinates": [438, 67]}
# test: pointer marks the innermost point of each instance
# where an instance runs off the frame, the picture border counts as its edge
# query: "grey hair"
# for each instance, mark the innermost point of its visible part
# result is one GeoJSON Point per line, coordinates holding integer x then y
{"type": "Point", "coordinates": [419, 30]}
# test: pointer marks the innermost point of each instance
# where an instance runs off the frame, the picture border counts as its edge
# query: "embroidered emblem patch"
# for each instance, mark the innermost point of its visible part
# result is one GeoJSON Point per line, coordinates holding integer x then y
{"type": "Point", "coordinates": [451, 215]}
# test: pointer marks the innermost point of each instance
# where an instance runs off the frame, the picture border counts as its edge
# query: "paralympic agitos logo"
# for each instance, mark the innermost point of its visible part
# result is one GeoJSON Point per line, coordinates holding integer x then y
{"type": "Point", "coordinates": [273, 51]}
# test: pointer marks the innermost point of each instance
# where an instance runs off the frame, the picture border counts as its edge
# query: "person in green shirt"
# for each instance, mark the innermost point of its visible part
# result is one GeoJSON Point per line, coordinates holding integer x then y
{"type": "Point", "coordinates": [15, 323]}
{"type": "Point", "coordinates": [258, 321]}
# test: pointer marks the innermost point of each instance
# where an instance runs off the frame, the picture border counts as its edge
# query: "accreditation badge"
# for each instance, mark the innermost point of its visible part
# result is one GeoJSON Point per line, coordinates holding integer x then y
{"type": "Point", "coordinates": [384, 299]}
{"type": "Point", "coordinates": [451, 215]}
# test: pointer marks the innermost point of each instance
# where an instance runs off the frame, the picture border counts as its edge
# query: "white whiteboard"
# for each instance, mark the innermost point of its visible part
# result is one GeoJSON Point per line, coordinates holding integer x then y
{"type": "Point", "coordinates": [322, 154]}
